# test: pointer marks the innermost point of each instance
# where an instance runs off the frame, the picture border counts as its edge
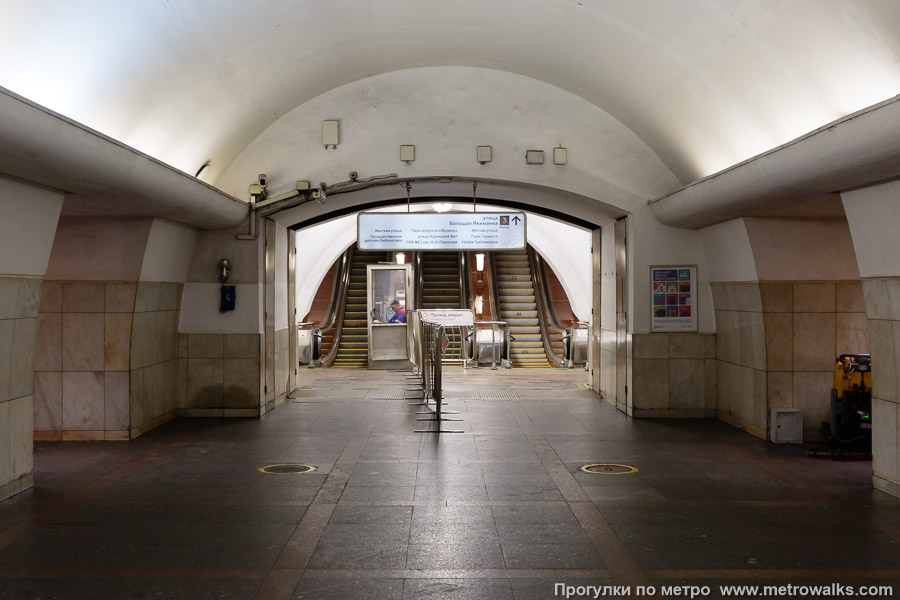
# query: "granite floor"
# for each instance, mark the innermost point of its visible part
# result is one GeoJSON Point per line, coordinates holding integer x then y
{"type": "Point", "coordinates": [500, 511]}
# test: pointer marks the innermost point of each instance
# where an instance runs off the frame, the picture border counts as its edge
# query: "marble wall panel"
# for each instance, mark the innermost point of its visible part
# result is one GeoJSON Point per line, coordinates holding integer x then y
{"type": "Point", "coordinates": [814, 341]}
{"type": "Point", "coordinates": [48, 345]}
{"type": "Point", "coordinates": [21, 426]}
{"type": "Point", "coordinates": [116, 401]}
{"type": "Point", "coordinates": [117, 341]}
{"type": "Point", "coordinates": [82, 337]}
{"type": "Point", "coordinates": [83, 298]}
{"type": "Point", "coordinates": [884, 445]}
{"type": "Point", "coordinates": [83, 401]}
{"type": "Point", "coordinates": [5, 462]}
{"type": "Point", "coordinates": [119, 297]}
{"type": "Point", "coordinates": [7, 334]}
{"type": "Point", "coordinates": [48, 401]}
{"type": "Point", "coordinates": [241, 383]}
{"type": "Point", "coordinates": [205, 382]}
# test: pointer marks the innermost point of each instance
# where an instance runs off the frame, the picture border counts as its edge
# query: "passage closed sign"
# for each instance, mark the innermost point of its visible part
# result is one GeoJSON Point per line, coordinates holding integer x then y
{"type": "Point", "coordinates": [441, 231]}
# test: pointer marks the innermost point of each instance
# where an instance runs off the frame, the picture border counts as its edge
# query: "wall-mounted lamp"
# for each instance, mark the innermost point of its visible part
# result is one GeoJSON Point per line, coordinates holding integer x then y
{"type": "Point", "coordinates": [401, 258]}
{"type": "Point", "coordinates": [224, 269]}
{"type": "Point", "coordinates": [479, 266]}
{"type": "Point", "coordinates": [534, 157]}
{"type": "Point", "coordinates": [560, 156]}
{"type": "Point", "coordinates": [479, 305]}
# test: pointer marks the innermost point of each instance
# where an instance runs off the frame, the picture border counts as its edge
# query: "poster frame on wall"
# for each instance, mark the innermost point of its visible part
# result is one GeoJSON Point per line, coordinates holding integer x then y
{"type": "Point", "coordinates": [683, 298]}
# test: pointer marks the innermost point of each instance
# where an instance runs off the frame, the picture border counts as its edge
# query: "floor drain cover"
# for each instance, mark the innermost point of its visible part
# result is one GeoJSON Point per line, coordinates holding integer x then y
{"type": "Point", "coordinates": [287, 469]}
{"type": "Point", "coordinates": [608, 469]}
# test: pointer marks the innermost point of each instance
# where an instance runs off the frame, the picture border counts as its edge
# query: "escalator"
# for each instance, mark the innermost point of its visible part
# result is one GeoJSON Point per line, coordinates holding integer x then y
{"type": "Point", "coordinates": [353, 344]}
{"type": "Point", "coordinates": [519, 307]}
{"type": "Point", "coordinates": [441, 288]}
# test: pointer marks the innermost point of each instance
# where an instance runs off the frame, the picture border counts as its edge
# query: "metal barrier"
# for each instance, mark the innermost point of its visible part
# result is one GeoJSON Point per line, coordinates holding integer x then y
{"type": "Point", "coordinates": [496, 340]}
{"type": "Point", "coordinates": [431, 349]}
{"type": "Point", "coordinates": [305, 342]}
{"type": "Point", "coordinates": [461, 332]}
{"type": "Point", "coordinates": [576, 340]}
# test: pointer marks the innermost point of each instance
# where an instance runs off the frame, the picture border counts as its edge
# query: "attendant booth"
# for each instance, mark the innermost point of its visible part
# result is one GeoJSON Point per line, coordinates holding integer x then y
{"type": "Point", "coordinates": [389, 342]}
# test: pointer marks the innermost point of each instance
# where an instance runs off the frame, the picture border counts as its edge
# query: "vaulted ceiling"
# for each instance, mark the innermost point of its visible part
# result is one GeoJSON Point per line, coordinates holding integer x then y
{"type": "Point", "coordinates": [704, 84]}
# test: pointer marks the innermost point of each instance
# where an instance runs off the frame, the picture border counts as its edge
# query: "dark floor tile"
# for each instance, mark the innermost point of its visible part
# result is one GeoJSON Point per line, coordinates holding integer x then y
{"type": "Point", "coordinates": [544, 589]}
{"type": "Point", "coordinates": [451, 492]}
{"type": "Point", "coordinates": [361, 554]}
{"type": "Point", "coordinates": [378, 494]}
{"type": "Point", "coordinates": [440, 513]}
{"type": "Point", "coordinates": [349, 589]}
{"type": "Point", "coordinates": [465, 555]}
{"type": "Point", "coordinates": [542, 533]}
{"type": "Point", "coordinates": [351, 533]}
{"type": "Point", "coordinates": [453, 533]}
{"type": "Point", "coordinates": [560, 513]}
{"type": "Point", "coordinates": [524, 493]}
{"type": "Point", "coordinates": [371, 514]}
{"type": "Point", "coordinates": [457, 589]}
{"type": "Point", "coordinates": [118, 589]}
{"type": "Point", "coordinates": [551, 556]}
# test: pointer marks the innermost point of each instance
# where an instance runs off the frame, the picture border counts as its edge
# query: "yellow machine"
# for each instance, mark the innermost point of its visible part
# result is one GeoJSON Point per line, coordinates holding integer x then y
{"type": "Point", "coordinates": [851, 403]}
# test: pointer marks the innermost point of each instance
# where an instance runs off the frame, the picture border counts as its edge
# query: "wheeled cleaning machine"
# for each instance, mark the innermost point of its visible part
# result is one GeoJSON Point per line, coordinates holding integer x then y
{"type": "Point", "coordinates": [851, 403]}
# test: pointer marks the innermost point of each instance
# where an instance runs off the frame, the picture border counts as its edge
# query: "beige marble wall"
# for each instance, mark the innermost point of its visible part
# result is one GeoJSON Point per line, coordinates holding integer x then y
{"type": "Point", "coordinates": [776, 346]}
{"type": "Point", "coordinates": [154, 355]}
{"type": "Point", "coordinates": [19, 302]}
{"type": "Point", "coordinates": [608, 365]}
{"type": "Point", "coordinates": [740, 356]}
{"type": "Point", "coordinates": [674, 375]}
{"type": "Point", "coordinates": [106, 359]}
{"type": "Point", "coordinates": [807, 325]}
{"type": "Point", "coordinates": [282, 364]}
{"type": "Point", "coordinates": [219, 375]}
{"type": "Point", "coordinates": [882, 299]}
{"type": "Point", "coordinates": [82, 361]}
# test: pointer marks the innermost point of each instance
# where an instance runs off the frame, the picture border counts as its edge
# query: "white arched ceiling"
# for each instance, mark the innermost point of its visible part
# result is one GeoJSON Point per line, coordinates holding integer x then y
{"type": "Point", "coordinates": [446, 112]}
{"type": "Point", "coordinates": [704, 83]}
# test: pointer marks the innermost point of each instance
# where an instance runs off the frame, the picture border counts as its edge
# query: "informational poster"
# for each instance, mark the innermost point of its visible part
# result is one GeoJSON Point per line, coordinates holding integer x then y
{"type": "Point", "coordinates": [441, 231]}
{"type": "Point", "coordinates": [673, 297]}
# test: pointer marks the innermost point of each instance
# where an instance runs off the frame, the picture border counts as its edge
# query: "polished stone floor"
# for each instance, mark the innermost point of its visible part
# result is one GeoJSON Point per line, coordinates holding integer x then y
{"type": "Point", "coordinates": [501, 511]}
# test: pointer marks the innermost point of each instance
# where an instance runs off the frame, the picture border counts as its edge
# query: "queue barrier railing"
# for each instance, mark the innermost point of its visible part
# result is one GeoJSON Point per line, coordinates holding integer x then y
{"type": "Point", "coordinates": [429, 340]}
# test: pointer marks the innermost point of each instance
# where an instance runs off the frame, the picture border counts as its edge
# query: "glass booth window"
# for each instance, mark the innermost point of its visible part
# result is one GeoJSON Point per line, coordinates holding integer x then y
{"type": "Point", "coordinates": [389, 296]}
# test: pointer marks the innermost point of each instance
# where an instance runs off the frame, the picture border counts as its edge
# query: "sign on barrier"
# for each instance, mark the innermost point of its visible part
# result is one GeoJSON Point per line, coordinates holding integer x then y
{"type": "Point", "coordinates": [448, 316]}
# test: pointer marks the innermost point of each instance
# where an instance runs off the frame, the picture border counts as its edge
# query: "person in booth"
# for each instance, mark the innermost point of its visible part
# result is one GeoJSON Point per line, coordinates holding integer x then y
{"type": "Point", "coordinates": [399, 312]}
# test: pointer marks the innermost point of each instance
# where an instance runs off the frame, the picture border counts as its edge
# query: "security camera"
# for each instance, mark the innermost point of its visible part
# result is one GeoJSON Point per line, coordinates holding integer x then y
{"type": "Point", "coordinates": [262, 180]}
{"type": "Point", "coordinates": [318, 194]}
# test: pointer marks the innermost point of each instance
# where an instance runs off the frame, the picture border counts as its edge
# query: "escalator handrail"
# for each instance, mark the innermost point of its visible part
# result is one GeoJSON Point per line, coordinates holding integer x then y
{"type": "Point", "coordinates": [466, 292]}
{"type": "Point", "coordinates": [555, 322]}
{"type": "Point", "coordinates": [493, 287]}
{"type": "Point", "coordinates": [331, 315]}
{"type": "Point", "coordinates": [540, 298]}
{"type": "Point", "coordinates": [337, 308]}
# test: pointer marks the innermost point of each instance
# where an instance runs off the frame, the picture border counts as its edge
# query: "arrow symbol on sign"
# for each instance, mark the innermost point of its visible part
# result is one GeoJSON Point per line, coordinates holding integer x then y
{"type": "Point", "coordinates": [516, 219]}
